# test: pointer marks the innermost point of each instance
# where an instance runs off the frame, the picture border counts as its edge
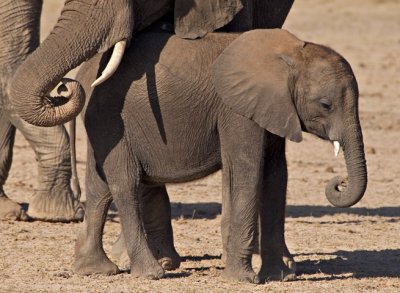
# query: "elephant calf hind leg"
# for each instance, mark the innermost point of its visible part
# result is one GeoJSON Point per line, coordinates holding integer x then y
{"type": "Point", "coordinates": [156, 213]}
{"type": "Point", "coordinates": [157, 223]}
{"type": "Point", "coordinates": [142, 261]}
{"type": "Point", "coordinates": [123, 178]}
{"type": "Point", "coordinates": [90, 257]}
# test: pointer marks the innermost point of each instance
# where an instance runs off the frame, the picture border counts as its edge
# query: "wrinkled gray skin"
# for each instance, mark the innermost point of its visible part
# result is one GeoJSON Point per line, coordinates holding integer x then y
{"type": "Point", "coordinates": [87, 27]}
{"type": "Point", "coordinates": [71, 43]}
{"type": "Point", "coordinates": [178, 110]}
{"type": "Point", "coordinates": [53, 199]}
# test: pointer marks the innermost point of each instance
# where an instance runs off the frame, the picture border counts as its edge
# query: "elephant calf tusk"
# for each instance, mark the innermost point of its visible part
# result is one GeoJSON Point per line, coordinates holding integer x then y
{"type": "Point", "coordinates": [113, 64]}
{"type": "Point", "coordinates": [336, 147]}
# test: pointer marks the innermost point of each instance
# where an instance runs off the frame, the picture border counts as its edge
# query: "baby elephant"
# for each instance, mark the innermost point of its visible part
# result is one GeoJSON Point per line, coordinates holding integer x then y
{"type": "Point", "coordinates": [177, 110]}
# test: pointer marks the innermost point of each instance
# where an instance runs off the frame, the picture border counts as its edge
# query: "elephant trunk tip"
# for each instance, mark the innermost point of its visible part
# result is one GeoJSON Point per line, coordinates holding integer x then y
{"type": "Point", "coordinates": [48, 111]}
{"type": "Point", "coordinates": [341, 194]}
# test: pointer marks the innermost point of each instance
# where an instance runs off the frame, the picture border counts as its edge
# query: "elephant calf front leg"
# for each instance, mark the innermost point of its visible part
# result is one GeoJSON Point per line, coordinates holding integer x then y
{"type": "Point", "coordinates": [277, 262]}
{"type": "Point", "coordinates": [242, 144]}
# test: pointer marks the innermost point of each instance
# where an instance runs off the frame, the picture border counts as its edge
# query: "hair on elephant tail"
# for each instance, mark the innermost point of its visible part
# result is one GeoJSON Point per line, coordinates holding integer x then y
{"type": "Point", "coordinates": [75, 186]}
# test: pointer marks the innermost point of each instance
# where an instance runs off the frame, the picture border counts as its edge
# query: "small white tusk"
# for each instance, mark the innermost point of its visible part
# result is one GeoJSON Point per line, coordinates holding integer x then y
{"type": "Point", "coordinates": [336, 147]}
{"type": "Point", "coordinates": [113, 64]}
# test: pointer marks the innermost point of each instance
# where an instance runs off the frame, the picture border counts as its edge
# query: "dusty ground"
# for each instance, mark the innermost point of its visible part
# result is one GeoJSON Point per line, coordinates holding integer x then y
{"type": "Point", "coordinates": [337, 250]}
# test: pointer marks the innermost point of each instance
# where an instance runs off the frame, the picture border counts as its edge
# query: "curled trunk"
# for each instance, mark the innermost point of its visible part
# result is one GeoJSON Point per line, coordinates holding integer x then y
{"type": "Point", "coordinates": [345, 193]}
{"type": "Point", "coordinates": [85, 28]}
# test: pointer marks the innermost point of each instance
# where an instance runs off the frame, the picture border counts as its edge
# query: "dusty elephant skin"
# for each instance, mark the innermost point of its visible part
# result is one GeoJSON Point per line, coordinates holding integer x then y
{"type": "Point", "coordinates": [348, 250]}
{"type": "Point", "coordinates": [84, 28]}
{"type": "Point", "coordinates": [53, 199]}
{"type": "Point", "coordinates": [88, 27]}
{"type": "Point", "coordinates": [179, 110]}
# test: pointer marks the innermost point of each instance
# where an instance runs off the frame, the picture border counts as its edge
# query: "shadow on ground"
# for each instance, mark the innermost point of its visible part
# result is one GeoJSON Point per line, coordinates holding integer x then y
{"type": "Point", "coordinates": [210, 210]}
{"type": "Point", "coordinates": [319, 211]}
{"type": "Point", "coordinates": [359, 263]}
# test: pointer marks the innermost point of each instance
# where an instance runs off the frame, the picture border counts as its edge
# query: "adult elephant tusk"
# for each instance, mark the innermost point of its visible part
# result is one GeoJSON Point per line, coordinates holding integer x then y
{"type": "Point", "coordinates": [113, 64]}
{"type": "Point", "coordinates": [336, 147]}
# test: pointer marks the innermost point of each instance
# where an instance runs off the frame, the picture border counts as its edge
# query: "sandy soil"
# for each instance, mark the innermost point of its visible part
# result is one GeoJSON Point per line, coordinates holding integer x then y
{"type": "Point", "coordinates": [337, 250]}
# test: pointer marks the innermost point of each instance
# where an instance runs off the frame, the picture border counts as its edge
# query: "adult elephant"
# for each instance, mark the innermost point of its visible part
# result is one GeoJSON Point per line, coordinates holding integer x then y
{"type": "Point", "coordinates": [53, 199]}
{"type": "Point", "coordinates": [87, 27]}
{"type": "Point", "coordinates": [178, 110]}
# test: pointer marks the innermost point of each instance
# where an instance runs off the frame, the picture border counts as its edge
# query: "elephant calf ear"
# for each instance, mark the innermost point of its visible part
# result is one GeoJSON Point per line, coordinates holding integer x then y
{"type": "Point", "coordinates": [251, 77]}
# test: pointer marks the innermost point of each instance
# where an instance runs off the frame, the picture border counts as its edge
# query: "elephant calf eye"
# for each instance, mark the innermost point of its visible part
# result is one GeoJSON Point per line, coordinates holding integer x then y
{"type": "Point", "coordinates": [326, 104]}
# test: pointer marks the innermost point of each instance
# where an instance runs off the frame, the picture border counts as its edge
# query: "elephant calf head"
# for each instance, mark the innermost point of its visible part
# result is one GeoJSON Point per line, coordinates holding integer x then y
{"type": "Point", "coordinates": [286, 85]}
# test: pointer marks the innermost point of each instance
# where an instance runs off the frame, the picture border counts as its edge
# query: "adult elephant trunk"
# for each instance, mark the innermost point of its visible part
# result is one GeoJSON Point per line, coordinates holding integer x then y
{"type": "Point", "coordinates": [340, 192]}
{"type": "Point", "coordinates": [83, 29]}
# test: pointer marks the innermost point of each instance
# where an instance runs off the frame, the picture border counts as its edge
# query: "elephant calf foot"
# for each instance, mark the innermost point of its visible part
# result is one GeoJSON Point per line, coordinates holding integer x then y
{"type": "Point", "coordinates": [94, 265]}
{"type": "Point", "coordinates": [240, 271]}
{"type": "Point", "coordinates": [58, 205]}
{"type": "Point", "coordinates": [10, 210]}
{"type": "Point", "coordinates": [147, 269]}
{"type": "Point", "coordinates": [168, 261]}
{"type": "Point", "coordinates": [165, 254]}
{"type": "Point", "coordinates": [290, 263]}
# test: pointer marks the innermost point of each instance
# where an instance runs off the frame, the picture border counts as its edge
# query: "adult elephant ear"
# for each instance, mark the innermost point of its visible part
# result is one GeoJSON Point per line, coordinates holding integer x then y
{"type": "Point", "coordinates": [253, 76]}
{"type": "Point", "coordinates": [195, 18]}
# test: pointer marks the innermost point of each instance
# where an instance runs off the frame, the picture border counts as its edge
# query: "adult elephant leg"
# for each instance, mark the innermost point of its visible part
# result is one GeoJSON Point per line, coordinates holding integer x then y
{"type": "Point", "coordinates": [156, 211]}
{"type": "Point", "coordinates": [277, 262]}
{"type": "Point", "coordinates": [9, 210]}
{"type": "Point", "coordinates": [90, 257]}
{"type": "Point", "coordinates": [53, 199]}
{"type": "Point", "coordinates": [19, 35]}
{"type": "Point", "coordinates": [242, 147]}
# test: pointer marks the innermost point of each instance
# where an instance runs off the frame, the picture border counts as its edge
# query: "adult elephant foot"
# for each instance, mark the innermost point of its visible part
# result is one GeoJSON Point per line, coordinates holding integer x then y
{"type": "Point", "coordinates": [10, 210]}
{"type": "Point", "coordinates": [56, 205]}
{"type": "Point", "coordinates": [147, 269]}
{"type": "Point", "coordinates": [240, 271]}
{"type": "Point", "coordinates": [166, 255]}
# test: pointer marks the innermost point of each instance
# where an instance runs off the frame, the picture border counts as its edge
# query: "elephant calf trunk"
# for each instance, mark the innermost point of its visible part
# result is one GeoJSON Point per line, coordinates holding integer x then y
{"type": "Point", "coordinates": [342, 192]}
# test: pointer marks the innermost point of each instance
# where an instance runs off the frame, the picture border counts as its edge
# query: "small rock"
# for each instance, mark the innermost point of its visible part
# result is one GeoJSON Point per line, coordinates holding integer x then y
{"type": "Point", "coordinates": [330, 169]}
